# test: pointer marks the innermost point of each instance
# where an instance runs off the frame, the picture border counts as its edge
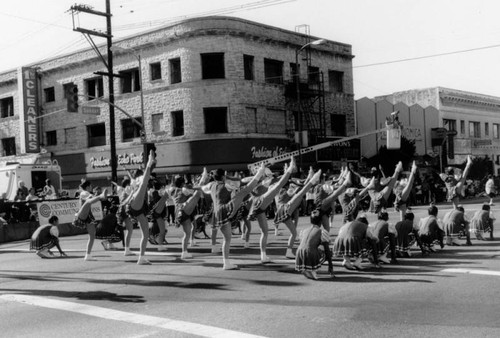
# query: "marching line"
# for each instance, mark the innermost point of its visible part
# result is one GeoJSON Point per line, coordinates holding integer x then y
{"type": "Point", "coordinates": [128, 317]}
{"type": "Point", "coordinates": [473, 272]}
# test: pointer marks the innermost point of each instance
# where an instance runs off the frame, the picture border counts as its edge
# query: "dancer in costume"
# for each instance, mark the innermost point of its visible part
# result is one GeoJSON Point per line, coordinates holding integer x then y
{"type": "Point", "coordinates": [261, 200]}
{"type": "Point", "coordinates": [157, 198]}
{"type": "Point", "coordinates": [226, 204]}
{"type": "Point", "coordinates": [454, 222]}
{"type": "Point", "coordinates": [309, 256]}
{"type": "Point", "coordinates": [84, 218]}
{"type": "Point", "coordinates": [353, 240]}
{"type": "Point", "coordinates": [45, 238]}
{"type": "Point", "coordinates": [402, 190]}
{"type": "Point", "coordinates": [288, 206]}
{"type": "Point", "coordinates": [455, 184]}
{"type": "Point", "coordinates": [186, 201]}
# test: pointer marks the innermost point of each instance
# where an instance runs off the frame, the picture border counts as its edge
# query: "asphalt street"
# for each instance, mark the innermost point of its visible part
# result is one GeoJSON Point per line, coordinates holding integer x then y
{"type": "Point", "coordinates": [453, 292]}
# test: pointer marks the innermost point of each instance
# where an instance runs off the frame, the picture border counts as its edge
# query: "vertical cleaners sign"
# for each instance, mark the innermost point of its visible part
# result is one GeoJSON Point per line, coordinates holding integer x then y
{"type": "Point", "coordinates": [30, 136]}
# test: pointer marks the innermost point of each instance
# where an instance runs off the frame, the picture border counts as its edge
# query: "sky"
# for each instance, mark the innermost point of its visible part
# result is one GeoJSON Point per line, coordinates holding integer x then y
{"type": "Point", "coordinates": [398, 44]}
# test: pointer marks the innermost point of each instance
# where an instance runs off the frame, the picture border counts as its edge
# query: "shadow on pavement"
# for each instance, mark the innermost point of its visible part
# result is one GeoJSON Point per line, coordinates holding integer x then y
{"type": "Point", "coordinates": [84, 295]}
{"type": "Point", "coordinates": [139, 282]}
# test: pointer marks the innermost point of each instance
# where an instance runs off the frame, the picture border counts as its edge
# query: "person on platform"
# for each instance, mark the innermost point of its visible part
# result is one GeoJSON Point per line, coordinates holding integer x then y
{"type": "Point", "coordinates": [455, 185]}
{"type": "Point", "coordinates": [454, 222]}
{"type": "Point", "coordinates": [353, 240]}
{"type": "Point", "coordinates": [482, 222]}
{"type": "Point", "coordinates": [309, 256]}
{"type": "Point", "coordinates": [490, 188]}
{"type": "Point", "coordinates": [49, 191]}
{"type": "Point", "coordinates": [84, 218]}
{"type": "Point", "coordinates": [226, 205]}
{"type": "Point", "coordinates": [22, 191]}
{"type": "Point", "coordinates": [429, 231]}
{"type": "Point", "coordinates": [45, 238]}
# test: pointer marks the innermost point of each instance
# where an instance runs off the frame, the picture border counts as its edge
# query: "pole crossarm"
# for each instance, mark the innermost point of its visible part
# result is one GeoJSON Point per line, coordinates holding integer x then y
{"type": "Point", "coordinates": [284, 157]}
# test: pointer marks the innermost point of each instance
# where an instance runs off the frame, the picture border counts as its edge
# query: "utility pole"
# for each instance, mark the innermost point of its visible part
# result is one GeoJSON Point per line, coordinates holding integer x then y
{"type": "Point", "coordinates": [109, 66]}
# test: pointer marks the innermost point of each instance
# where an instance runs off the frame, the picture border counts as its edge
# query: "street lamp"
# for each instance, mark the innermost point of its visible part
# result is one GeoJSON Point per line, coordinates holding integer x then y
{"type": "Point", "coordinates": [138, 57]}
{"type": "Point", "coordinates": [297, 87]}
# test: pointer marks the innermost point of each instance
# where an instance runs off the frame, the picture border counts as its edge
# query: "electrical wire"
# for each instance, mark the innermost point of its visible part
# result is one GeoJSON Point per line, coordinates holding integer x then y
{"type": "Point", "coordinates": [427, 56]}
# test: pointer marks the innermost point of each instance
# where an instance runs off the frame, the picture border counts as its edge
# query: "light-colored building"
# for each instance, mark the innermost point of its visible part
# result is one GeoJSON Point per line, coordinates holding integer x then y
{"type": "Point", "coordinates": [217, 92]}
{"type": "Point", "coordinates": [475, 118]}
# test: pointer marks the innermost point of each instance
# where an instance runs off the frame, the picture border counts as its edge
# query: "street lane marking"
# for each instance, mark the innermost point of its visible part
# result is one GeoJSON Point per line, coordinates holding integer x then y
{"type": "Point", "coordinates": [128, 317]}
{"type": "Point", "coordinates": [473, 272]}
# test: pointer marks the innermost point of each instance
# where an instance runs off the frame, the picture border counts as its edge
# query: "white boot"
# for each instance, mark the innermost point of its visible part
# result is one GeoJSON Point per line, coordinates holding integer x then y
{"type": "Point", "coordinates": [143, 261]}
{"type": "Point", "coordinates": [128, 252]}
{"type": "Point", "coordinates": [289, 254]}
{"type": "Point", "coordinates": [88, 258]}
{"type": "Point", "coordinates": [264, 259]}
{"type": "Point", "coordinates": [162, 247]}
{"type": "Point", "coordinates": [186, 255]}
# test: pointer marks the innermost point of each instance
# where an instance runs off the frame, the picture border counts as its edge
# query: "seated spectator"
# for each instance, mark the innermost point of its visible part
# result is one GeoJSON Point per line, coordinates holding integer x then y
{"type": "Point", "coordinates": [22, 192]}
{"type": "Point", "coordinates": [49, 191]}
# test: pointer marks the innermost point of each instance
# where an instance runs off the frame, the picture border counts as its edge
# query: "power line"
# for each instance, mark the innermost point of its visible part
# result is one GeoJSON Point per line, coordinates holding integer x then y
{"type": "Point", "coordinates": [427, 56]}
{"type": "Point", "coordinates": [227, 10]}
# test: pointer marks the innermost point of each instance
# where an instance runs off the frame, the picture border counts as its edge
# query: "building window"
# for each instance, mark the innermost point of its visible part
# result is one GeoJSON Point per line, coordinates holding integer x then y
{"type": "Point", "coordinates": [293, 70]}
{"type": "Point", "coordinates": [496, 130]}
{"type": "Point", "coordinates": [273, 71]}
{"type": "Point", "coordinates": [156, 121]}
{"type": "Point", "coordinates": [248, 67]}
{"type": "Point", "coordinates": [50, 94]}
{"type": "Point", "coordinates": [486, 129]}
{"type": "Point", "coordinates": [313, 74]}
{"type": "Point", "coordinates": [130, 129]}
{"type": "Point", "coordinates": [66, 87]}
{"type": "Point", "coordinates": [253, 126]}
{"type": "Point", "coordinates": [9, 146]}
{"type": "Point", "coordinates": [212, 66]}
{"type": "Point", "coordinates": [275, 121]}
{"type": "Point", "coordinates": [474, 129]}
{"type": "Point", "coordinates": [338, 122]}
{"type": "Point", "coordinates": [130, 81]}
{"type": "Point", "coordinates": [155, 71]}
{"type": "Point", "coordinates": [177, 123]}
{"type": "Point", "coordinates": [462, 127]}
{"type": "Point", "coordinates": [51, 138]}
{"type": "Point", "coordinates": [69, 135]}
{"type": "Point", "coordinates": [450, 124]}
{"type": "Point", "coordinates": [215, 120]}
{"type": "Point", "coordinates": [94, 88]}
{"type": "Point", "coordinates": [7, 107]}
{"type": "Point", "coordinates": [175, 70]}
{"type": "Point", "coordinates": [96, 135]}
{"type": "Point", "coordinates": [336, 81]}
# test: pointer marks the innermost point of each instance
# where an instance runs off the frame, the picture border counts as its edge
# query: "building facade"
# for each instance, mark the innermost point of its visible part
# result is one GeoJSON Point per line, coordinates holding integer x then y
{"type": "Point", "coordinates": [216, 92]}
{"type": "Point", "coordinates": [473, 118]}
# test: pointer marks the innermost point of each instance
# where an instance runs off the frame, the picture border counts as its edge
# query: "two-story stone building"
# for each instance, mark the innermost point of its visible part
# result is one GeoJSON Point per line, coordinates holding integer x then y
{"type": "Point", "coordinates": [217, 92]}
{"type": "Point", "coordinates": [474, 117]}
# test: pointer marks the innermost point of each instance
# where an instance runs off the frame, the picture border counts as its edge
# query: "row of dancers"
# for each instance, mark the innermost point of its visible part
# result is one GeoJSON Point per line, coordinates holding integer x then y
{"type": "Point", "coordinates": [243, 200]}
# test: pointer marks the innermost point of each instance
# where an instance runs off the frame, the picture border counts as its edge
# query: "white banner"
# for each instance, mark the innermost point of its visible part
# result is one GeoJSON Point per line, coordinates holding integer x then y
{"type": "Point", "coordinates": [64, 210]}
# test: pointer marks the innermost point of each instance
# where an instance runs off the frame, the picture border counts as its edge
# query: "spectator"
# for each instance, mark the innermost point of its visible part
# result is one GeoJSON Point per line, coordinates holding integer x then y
{"type": "Point", "coordinates": [49, 191]}
{"type": "Point", "coordinates": [32, 196]}
{"type": "Point", "coordinates": [490, 188]}
{"type": "Point", "coordinates": [22, 192]}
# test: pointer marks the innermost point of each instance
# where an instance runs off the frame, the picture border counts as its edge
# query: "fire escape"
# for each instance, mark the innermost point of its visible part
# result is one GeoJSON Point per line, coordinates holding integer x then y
{"type": "Point", "coordinates": [307, 99]}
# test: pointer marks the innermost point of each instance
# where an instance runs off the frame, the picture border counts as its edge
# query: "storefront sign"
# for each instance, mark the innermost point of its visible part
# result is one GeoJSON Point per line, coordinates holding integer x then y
{"type": "Point", "coordinates": [342, 151]}
{"type": "Point", "coordinates": [264, 152]}
{"type": "Point", "coordinates": [123, 159]}
{"type": "Point", "coordinates": [409, 133]}
{"type": "Point", "coordinates": [28, 89]}
{"type": "Point", "coordinates": [64, 210]}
